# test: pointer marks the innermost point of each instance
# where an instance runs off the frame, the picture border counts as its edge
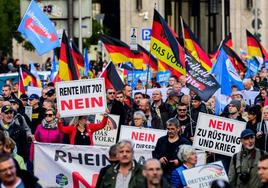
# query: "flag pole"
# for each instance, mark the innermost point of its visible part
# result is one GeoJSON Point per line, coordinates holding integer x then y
{"type": "Point", "coordinates": [147, 74]}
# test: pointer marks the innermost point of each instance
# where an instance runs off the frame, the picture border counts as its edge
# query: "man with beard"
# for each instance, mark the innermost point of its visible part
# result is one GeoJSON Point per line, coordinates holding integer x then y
{"type": "Point", "coordinates": [244, 164]}
{"type": "Point", "coordinates": [153, 173]}
{"type": "Point", "coordinates": [127, 173]}
{"type": "Point", "coordinates": [152, 118]}
{"type": "Point", "coordinates": [167, 147]}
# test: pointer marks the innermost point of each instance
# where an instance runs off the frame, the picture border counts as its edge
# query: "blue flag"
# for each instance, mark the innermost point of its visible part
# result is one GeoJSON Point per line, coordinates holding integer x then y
{"type": "Point", "coordinates": [54, 68]}
{"type": "Point", "coordinates": [36, 27]}
{"type": "Point", "coordinates": [225, 74]}
{"type": "Point", "coordinates": [87, 65]}
{"type": "Point", "coordinates": [252, 68]}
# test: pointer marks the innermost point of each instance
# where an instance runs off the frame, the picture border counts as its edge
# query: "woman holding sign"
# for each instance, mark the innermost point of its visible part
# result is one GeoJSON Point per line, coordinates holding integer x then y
{"type": "Point", "coordinates": [81, 133]}
{"type": "Point", "coordinates": [187, 155]}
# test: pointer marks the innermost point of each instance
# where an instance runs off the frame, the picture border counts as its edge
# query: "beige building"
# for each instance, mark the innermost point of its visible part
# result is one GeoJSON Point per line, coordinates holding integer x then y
{"type": "Point", "coordinates": [203, 16]}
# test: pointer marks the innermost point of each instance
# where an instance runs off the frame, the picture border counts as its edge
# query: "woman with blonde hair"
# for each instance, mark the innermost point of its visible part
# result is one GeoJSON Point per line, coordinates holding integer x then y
{"type": "Point", "coordinates": [9, 148]}
{"type": "Point", "coordinates": [262, 131]}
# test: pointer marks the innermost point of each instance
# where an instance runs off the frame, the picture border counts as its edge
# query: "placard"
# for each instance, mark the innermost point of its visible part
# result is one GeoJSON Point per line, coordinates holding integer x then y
{"type": "Point", "coordinates": [143, 138]}
{"type": "Point", "coordinates": [81, 97]}
{"type": "Point", "coordinates": [218, 134]}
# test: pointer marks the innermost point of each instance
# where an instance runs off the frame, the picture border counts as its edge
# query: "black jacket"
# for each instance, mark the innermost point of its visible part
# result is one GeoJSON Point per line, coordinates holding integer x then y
{"type": "Point", "coordinates": [18, 134]}
{"type": "Point", "coordinates": [162, 149]}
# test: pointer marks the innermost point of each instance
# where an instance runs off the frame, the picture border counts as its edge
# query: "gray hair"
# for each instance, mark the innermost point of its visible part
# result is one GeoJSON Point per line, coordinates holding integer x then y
{"type": "Point", "coordinates": [125, 142]}
{"type": "Point", "coordinates": [173, 121]}
{"type": "Point", "coordinates": [185, 151]}
{"type": "Point", "coordinates": [139, 114]}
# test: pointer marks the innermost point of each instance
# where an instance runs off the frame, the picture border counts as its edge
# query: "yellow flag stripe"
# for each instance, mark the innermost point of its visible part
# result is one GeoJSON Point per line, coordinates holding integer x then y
{"type": "Point", "coordinates": [165, 54]}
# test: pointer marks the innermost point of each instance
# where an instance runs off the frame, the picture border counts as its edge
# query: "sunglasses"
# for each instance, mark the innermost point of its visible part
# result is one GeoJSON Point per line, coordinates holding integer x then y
{"type": "Point", "coordinates": [111, 93]}
{"type": "Point", "coordinates": [49, 115]}
{"type": "Point", "coordinates": [182, 110]}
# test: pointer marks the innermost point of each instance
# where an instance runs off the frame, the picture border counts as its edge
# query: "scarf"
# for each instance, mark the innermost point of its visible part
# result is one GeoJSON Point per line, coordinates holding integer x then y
{"type": "Point", "coordinates": [52, 125]}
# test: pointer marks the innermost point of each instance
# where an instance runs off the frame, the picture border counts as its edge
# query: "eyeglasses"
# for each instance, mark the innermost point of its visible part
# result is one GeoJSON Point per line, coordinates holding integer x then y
{"type": "Point", "coordinates": [182, 110]}
{"type": "Point", "coordinates": [49, 115]}
{"type": "Point", "coordinates": [111, 93]}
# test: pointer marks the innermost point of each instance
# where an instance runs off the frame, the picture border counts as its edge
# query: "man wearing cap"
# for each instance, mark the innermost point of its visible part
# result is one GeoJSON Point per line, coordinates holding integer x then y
{"type": "Point", "coordinates": [24, 99]}
{"type": "Point", "coordinates": [14, 130]}
{"type": "Point", "coordinates": [244, 164]}
{"type": "Point", "coordinates": [234, 110]}
{"type": "Point", "coordinates": [173, 100]}
{"type": "Point", "coordinates": [196, 107]}
{"type": "Point", "coordinates": [36, 113]}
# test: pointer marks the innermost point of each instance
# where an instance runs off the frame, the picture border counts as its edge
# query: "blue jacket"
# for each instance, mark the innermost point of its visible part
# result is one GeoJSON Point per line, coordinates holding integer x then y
{"type": "Point", "coordinates": [177, 178]}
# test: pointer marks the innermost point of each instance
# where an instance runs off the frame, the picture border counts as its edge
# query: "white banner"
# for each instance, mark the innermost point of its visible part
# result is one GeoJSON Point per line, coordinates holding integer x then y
{"type": "Point", "coordinates": [202, 176]}
{"type": "Point", "coordinates": [107, 135]}
{"type": "Point", "coordinates": [81, 97]}
{"type": "Point", "coordinates": [218, 135]}
{"type": "Point", "coordinates": [143, 138]}
{"type": "Point", "coordinates": [150, 92]}
{"type": "Point", "coordinates": [34, 90]}
{"type": "Point", "coordinates": [73, 166]}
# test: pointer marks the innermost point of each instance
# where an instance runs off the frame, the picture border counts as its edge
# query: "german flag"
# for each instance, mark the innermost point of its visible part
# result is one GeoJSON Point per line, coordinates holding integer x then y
{"type": "Point", "coordinates": [28, 78]}
{"type": "Point", "coordinates": [120, 52]}
{"type": "Point", "coordinates": [68, 69]}
{"type": "Point", "coordinates": [78, 58]}
{"type": "Point", "coordinates": [165, 46]}
{"type": "Point", "coordinates": [193, 46]}
{"type": "Point", "coordinates": [254, 47]}
{"type": "Point", "coordinates": [148, 58]}
{"type": "Point", "coordinates": [21, 89]}
{"type": "Point", "coordinates": [111, 77]}
{"type": "Point", "coordinates": [227, 41]}
{"type": "Point", "coordinates": [237, 62]}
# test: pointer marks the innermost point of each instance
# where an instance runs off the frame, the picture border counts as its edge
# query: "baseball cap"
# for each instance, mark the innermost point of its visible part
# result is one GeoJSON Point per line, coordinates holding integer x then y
{"type": "Point", "coordinates": [13, 101]}
{"type": "Point", "coordinates": [34, 96]}
{"type": "Point", "coordinates": [247, 132]}
{"type": "Point", "coordinates": [6, 108]}
{"type": "Point", "coordinates": [196, 97]}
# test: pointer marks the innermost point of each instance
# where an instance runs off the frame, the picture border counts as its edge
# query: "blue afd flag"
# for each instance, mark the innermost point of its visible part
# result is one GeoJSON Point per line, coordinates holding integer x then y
{"type": "Point", "coordinates": [54, 68]}
{"type": "Point", "coordinates": [36, 27]}
{"type": "Point", "coordinates": [253, 67]}
{"type": "Point", "coordinates": [87, 65]}
{"type": "Point", "coordinates": [225, 74]}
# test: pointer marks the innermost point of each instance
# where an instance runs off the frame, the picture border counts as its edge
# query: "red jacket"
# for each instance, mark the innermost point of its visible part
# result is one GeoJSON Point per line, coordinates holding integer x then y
{"type": "Point", "coordinates": [90, 129]}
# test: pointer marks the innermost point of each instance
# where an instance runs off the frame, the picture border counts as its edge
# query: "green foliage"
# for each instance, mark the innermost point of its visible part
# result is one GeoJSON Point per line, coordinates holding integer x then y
{"type": "Point", "coordinates": [96, 31]}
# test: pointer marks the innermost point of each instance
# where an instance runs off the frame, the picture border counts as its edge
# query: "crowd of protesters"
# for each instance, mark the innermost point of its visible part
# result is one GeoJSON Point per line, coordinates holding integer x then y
{"type": "Point", "coordinates": [178, 114]}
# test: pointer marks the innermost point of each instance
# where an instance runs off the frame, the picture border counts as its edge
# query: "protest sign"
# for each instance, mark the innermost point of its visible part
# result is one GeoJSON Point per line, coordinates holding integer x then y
{"type": "Point", "coordinates": [72, 166]}
{"type": "Point", "coordinates": [199, 80]}
{"type": "Point", "coordinates": [249, 96]}
{"type": "Point", "coordinates": [107, 135]}
{"type": "Point", "coordinates": [150, 92]}
{"type": "Point", "coordinates": [218, 135]}
{"type": "Point", "coordinates": [163, 77]}
{"type": "Point", "coordinates": [202, 176]}
{"type": "Point", "coordinates": [29, 111]}
{"type": "Point", "coordinates": [81, 97]}
{"type": "Point", "coordinates": [143, 138]}
{"type": "Point", "coordinates": [34, 90]}
{"type": "Point", "coordinates": [134, 76]}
